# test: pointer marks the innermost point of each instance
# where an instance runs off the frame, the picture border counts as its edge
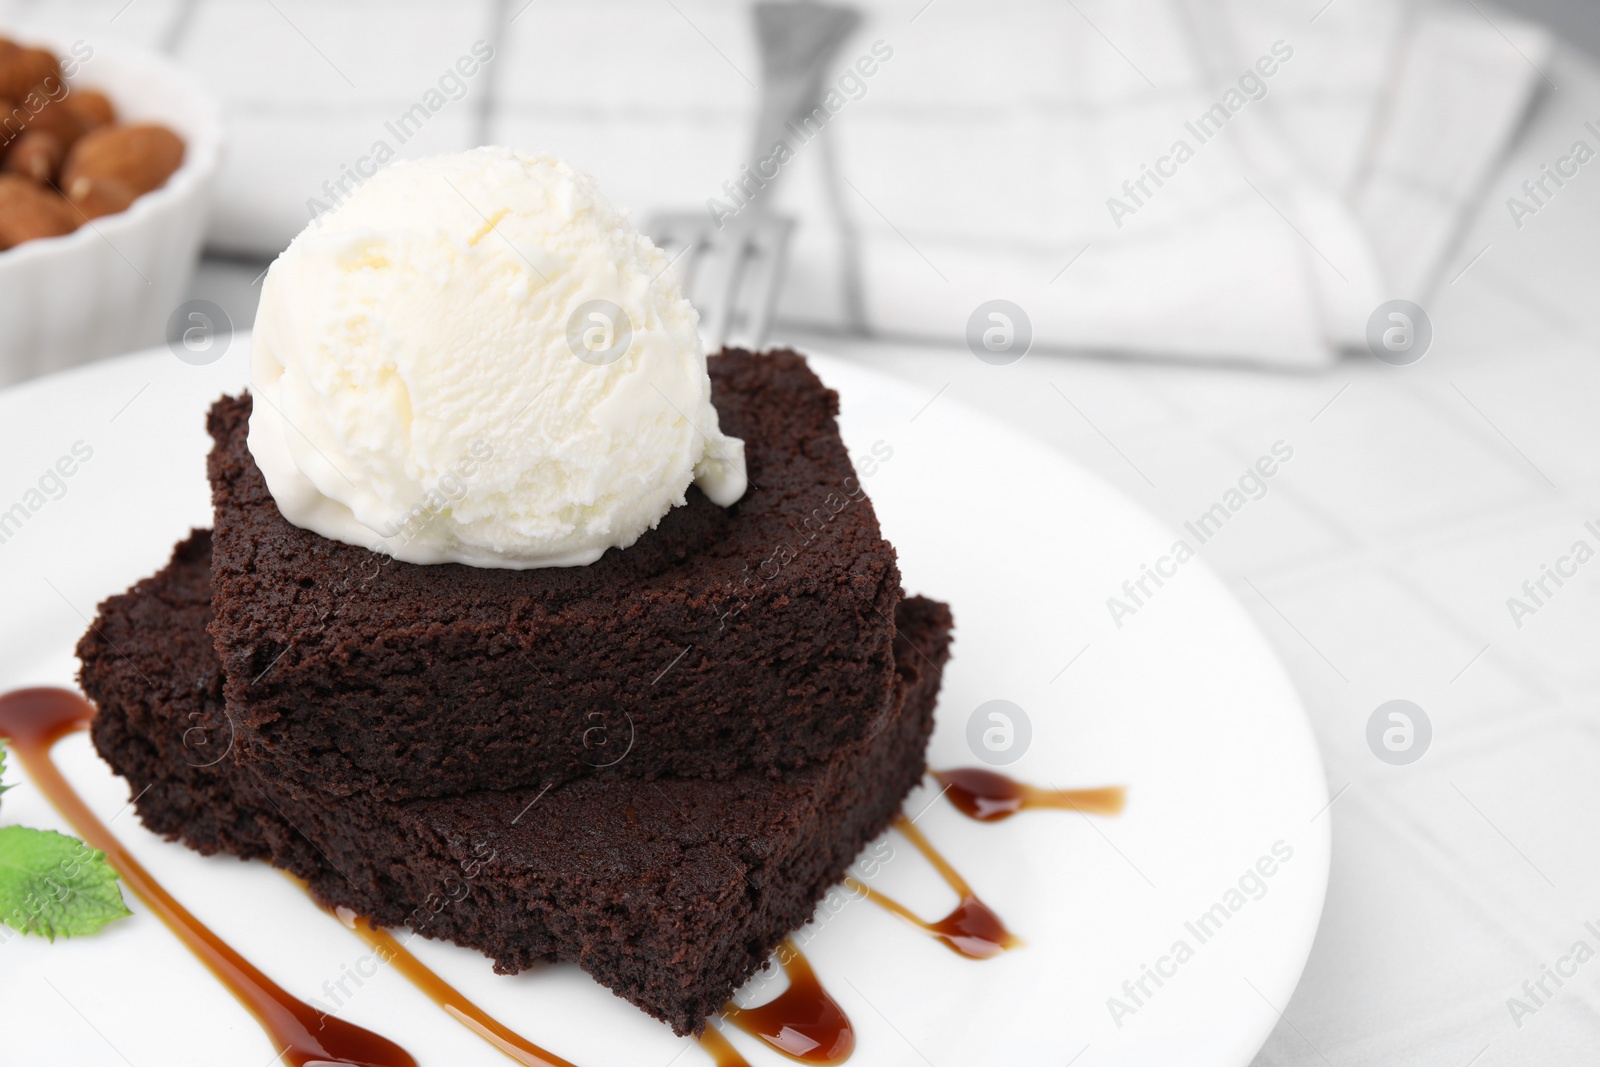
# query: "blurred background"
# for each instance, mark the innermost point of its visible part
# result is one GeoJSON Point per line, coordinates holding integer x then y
{"type": "Point", "coordinates": [1159, 235]}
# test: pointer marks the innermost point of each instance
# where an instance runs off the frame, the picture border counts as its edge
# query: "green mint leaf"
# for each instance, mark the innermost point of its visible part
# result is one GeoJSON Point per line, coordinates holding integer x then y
{"type": "Point", "coordinates": [54, 884]}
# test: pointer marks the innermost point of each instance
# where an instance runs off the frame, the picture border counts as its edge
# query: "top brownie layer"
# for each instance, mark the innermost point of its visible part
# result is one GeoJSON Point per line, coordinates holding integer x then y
{"type": "Point", "coordinates": [754, 637]}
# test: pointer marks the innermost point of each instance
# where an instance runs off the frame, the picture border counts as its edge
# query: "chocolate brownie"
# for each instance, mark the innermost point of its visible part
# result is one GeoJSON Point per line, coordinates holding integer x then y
{"type": "Point", "coordinates": [754, 637]}
{"type": "Point", "coordinates": [669, 892]}
{"type": "Point", "coordinates": [150, 648]}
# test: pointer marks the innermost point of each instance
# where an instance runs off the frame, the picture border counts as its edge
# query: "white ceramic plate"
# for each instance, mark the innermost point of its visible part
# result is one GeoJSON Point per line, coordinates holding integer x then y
{"type": "Point", "coordinates": [1184, 704]}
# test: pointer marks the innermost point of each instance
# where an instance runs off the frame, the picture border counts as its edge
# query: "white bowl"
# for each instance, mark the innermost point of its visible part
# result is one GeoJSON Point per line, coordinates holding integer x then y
{"type": "Point", "coordinates": [110, 286]}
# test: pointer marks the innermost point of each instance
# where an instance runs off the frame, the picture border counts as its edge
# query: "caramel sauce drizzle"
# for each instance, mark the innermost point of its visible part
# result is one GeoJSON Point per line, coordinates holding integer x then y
{"type": "Point", "coordinates": [972, 930]}
{"type": "Point", "coordinates": [716, 1046]}
{"type": "Point", "coordinates": [33, 720]}
{"type": "Point", "coordinates": [990, 797]}
{"type": "Point", "coordinates": [455, 1004]}
{"type": "Point", "coordinates": [803, 1022]}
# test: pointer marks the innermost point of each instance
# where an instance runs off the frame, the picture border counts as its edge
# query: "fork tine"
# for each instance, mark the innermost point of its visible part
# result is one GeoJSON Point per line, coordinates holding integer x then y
{"type": "Point", "coordinates": [717, 283]}
{"type": "Point", "coordinates": [758, 290]}
{"type": "Point", "coordinates": [732, 275]}
{"type": "Point", "coordinates": [680, 236]}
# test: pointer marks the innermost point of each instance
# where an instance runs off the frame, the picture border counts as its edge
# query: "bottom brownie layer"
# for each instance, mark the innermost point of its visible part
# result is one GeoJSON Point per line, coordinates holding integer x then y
{"type": "Point", "coordinates": [671, 893]}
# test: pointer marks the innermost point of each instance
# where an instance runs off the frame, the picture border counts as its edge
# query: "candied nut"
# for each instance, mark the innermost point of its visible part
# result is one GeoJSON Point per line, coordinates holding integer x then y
{"type": "Point", "coordinates": [21, 69]}
{"type": "Point", "coordinates": [142, 157]}
{"type": "Point", "coordinates": [28, 211]}
{"type": "Point", "coordinates": [99, 196]}
{"type": "Point", "coordinates": [92, 108]}
{"type": "Point", "coordinates": [37, 155]}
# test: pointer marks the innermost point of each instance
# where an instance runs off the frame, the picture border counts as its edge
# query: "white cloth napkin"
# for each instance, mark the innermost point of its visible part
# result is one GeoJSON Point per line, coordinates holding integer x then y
{"type": "Point", "coordinates": [978, 161]}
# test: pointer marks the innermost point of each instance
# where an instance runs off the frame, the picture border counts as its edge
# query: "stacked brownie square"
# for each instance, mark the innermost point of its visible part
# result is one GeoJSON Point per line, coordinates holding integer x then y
{"type": "Point", "coordinates": [653, 766]}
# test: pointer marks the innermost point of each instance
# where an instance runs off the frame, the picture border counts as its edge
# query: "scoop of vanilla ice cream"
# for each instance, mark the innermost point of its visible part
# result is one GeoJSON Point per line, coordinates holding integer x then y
{"type": "Point", "coordinates": [475, 359]}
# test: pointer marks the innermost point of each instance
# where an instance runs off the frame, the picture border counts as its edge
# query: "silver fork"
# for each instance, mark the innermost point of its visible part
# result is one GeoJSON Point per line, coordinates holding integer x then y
{"type": "Point", "coordinates": [732, 268]}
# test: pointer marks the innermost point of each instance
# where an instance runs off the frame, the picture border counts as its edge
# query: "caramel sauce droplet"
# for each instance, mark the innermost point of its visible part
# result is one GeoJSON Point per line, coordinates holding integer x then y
{"type": "Point", "coordinates": [989, 797]}
{"type": "Point", "coordinates": [32, 720]}
{"type": "Point", "coordinates": [803, 1022]}
{"type": "Point", "coordinates": [972, 930]}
